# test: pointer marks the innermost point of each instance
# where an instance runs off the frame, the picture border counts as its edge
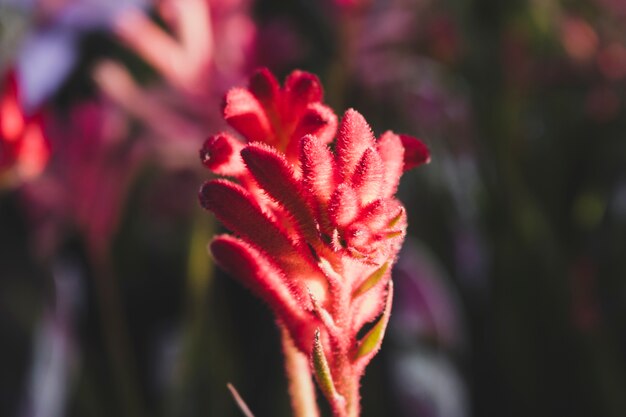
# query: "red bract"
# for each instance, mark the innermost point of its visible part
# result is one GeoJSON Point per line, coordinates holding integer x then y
{"type": "Point", "coordinates": [24, 150]}
{"type": "Point", "coordinates": [280, 116]}
{"type": "Point", "coordinates": [317, 243]}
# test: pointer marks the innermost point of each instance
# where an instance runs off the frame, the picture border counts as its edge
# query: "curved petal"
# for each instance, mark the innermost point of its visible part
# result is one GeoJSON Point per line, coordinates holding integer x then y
{"type": "Point", "coordinates": [246, 115]}
{"type": "Point", "coordinates": [302, 88]}
{"type": "Point", "coordinates": [220, 154]}
{"type": "Point", "coordinates": [318, 168]}
{"type": "Point", "coordinates": [276, 177]}
{"type": "Point", "coordinates": [249, 266]}
{"type": "Point", "coordinates": [415, 152]}
{"type": "Point", "coordinates": [264, 86]}
{"type": "Point", "coordinates": [237, 210]}
{"type": "Point", "coordinates": [343, 206]}
{"type": "Point", "coordinates": [367, 179]}
{"type": "Point", "coordinates": [354, 137]}
{"type": "Point", "coordinates": [391, 151]}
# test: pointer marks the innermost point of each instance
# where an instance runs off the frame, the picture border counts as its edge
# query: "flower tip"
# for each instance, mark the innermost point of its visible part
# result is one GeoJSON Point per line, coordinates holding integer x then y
{"type": "Point", "coordinates": [203, 195]}
{"type": "Point", "coordinates": [213, 194]}
{"type": "Point", "coordinates": [354, 138]}
{"type": "Point", "coordinates": [304, 87]}
{"type": "Point", "coordinates": [243, 111]}
{"type": "Point", "coordinates": [355, 129]}
{"type": "Point", "coordinates": [220, 154]}
{"type": "Point", "coordinates": [416, 153]}
{"type": "Point", "coordinates": [263, 84]}
{"type": "Point", "coordinates": [214, 150]}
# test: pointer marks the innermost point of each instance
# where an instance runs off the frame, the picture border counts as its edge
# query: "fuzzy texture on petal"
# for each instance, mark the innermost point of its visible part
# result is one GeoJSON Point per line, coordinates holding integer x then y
{"type": "Point", "coordinates": [367, 179]}
{"type": "Point", "coordinates": [343, 206]}
{"type": "Point", "coordinates": [221, 154]}
{"type": "Point", "coordinates": [244, 113]}
{"type": "Point", "coordinates": [276, 177]}
{"type": "Point", "coordinates": [302, 88]}
{"type": "Point", "coordinates": [354, 137]}
{"type": "Point", "coordinates": [268, 282]}
{"type": "Point", "coordinates": [280, 116]}
{"type": "Point", "coordinates": [235, 207]}
{"type": "Point", "coordinates": [254, 271]}
{"type": "Point", "coordinates": [391, 152]}
{"type": "Point", "coordinates": [317, 167]}
{"type": "Point", "coordinates": [317, 120]}
{"type": "Point", "coordinates": [264, 86]}
{"type": "Point", "coordinates": [237, 210]}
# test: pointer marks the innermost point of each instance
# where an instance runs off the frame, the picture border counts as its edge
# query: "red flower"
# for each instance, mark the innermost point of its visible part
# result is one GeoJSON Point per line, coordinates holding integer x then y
{"type": "Point", "coordinates": [24, 150]}
{"type": "Point", "coordinates": [280, 116]}
{"type": "Point", "coordinates": [318, 241]}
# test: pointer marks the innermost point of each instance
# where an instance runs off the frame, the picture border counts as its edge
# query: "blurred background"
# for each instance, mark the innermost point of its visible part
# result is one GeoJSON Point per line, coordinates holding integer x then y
{"type": "Point", "coordinates": [511, 286]}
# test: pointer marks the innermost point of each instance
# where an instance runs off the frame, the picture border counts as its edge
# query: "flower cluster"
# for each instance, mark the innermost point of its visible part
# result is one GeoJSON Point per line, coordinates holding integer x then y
{"type": "Point", "coordinates": [317, 227]}
{"type": "Point", "coordinates": [24, 149]}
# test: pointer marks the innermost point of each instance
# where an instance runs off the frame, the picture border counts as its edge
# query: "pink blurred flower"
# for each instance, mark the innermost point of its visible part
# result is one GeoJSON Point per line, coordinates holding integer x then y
{"type": "Point", "coordinates": [317, 230]}
{"type": "Point", "coordinates": [24, 150]}
{"type": "Point", "coordinates": [579, 38]}
{"type": "Point", "coordinates": [612, 61]}
{"type": "Point", "coordinates": [195, 68]}
{"type": "Point", "coordinates": [91, 170]}
{"type": "Point", "coordinates": [207, 46]}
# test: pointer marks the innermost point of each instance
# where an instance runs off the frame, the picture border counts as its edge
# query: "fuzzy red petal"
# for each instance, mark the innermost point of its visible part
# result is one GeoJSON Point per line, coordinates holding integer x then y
{"type": "Point", "coordinates": [354, 137]}
{"type": "Point", "coordinates": [343, 206]}
{"type": "Point", "coordinates": [382, 214]}
{"type": "Point", "coordinates": [367, 179]}
{"type": "Point", "coordinates": [264, 86]}
{"type": "Point", "coordinates": [237, 210]}
{"type": "Point", "coordinates": [302, 88]}
{"type": "Point", "coordinates": [276, 177]}
{"type": "Point", "coordinates": [318, 120]}
{"type": "Point", "coordinates": [220, 154]}
{"type": "Point", "coordinates": [246, 115]}
{"type": "Point", "coordinates": [391, 151]}
{"type": "Point", "coordinates": [415, 152]}
{"type": "Point", "coordinates": [253, 270]}
{"type": "Point", "coordinates": [318, 170]}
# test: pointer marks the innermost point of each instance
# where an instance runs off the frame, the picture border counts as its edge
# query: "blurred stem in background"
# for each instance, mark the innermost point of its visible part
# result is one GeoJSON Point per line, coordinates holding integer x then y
{"type": "Point", "coordinates": [115, 332]}
{"type": "Point", "coordinates": [197, 314]}
{"type": "Point", "coordinates": [538, 348]}
{"type": "Point", "coordinates": [342, 66]}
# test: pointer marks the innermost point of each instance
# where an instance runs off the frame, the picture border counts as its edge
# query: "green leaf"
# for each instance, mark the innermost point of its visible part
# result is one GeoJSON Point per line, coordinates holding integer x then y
{"type": "Point", "coordinates": [371, 280]}
{"type": "Point", "coordinates": [395, 219]}
{"type": "Point", "coordinates": [322, 371]}
{"type": "Point", "coordinates": [370, 343]}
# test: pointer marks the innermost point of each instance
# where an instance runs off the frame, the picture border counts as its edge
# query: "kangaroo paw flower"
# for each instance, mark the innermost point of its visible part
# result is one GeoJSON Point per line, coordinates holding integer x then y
{"type": "Point", "coordinates": [317, 228]}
